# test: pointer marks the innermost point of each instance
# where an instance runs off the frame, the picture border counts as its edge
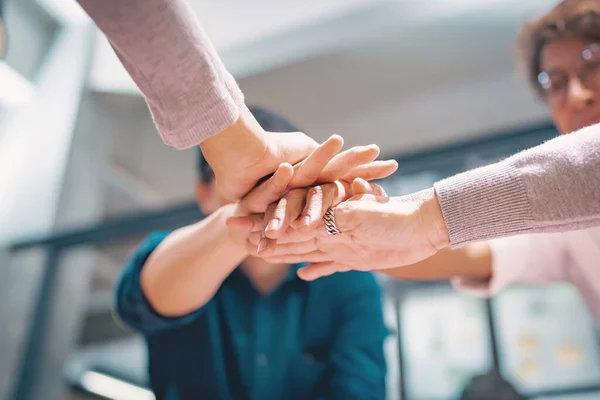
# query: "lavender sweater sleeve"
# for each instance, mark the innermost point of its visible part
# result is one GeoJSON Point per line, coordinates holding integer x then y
{"type": "Point", "coordinates": [163, 47]}
{"type": "Point", "coordinates": [551, 187]}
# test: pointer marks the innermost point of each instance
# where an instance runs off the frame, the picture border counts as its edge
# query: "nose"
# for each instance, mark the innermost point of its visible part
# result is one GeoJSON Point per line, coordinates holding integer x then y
{"type": "Point", "coordinates": [581, 96]}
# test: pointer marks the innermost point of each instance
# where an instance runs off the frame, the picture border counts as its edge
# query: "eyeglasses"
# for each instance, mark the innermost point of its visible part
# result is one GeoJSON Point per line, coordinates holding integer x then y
{"type": "Point", "coordinates": [555, 84]}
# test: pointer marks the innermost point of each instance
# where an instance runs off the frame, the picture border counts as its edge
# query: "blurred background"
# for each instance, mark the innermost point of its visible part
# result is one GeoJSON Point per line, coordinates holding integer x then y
{"type": "Point", "coordinates": [84, 177]}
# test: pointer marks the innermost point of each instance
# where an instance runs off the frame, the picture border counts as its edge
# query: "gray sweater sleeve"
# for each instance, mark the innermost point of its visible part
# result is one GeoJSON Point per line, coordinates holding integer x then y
{"type": "Point", "coordinates": [189, 91]}
{"type": "Point", "coordinates": [549, 188]}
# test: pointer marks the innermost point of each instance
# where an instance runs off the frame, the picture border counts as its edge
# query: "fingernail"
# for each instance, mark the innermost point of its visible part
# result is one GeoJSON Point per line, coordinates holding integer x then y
{"type": "Point", "coordinates": [305, 221]}
{"type": "Point", "coordinates": [274, 224]}
{"type": "Point", "coordinates": [262, 243]}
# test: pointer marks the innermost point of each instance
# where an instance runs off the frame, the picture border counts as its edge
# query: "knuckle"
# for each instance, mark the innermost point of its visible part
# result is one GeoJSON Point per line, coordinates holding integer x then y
{"type": "Point", "coordinates": [315, 190]}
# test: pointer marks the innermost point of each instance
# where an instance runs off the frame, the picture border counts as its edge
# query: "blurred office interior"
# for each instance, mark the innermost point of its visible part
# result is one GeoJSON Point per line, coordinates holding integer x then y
{"type": "Point", "coordinates": [84, 177]}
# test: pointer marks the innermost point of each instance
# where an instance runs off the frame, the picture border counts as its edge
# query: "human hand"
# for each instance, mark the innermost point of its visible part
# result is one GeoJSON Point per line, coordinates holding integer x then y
{"type": "Point", "coordinates": [253, 202]}
{"type": "Point", "coordinates": [324, 164]}
{"type": "Point", "coordinates": [262, 197]}
{"type": "Point", "coordinates": [299, 210]}
{"type": "Point", "coordinates": [244, 153]}
{"type": "Point", "coordinates": [376, 233]}
{"type": "Point", "coordinates": [303, 207]}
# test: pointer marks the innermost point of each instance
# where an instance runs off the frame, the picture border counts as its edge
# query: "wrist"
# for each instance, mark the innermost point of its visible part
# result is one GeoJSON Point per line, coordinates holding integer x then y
{"type": "Point", "coordinates": [242, 144]}
{"type": "Point", "coordinates": [235, 238]}
{"type": "Point", "coordinates": [433, 219]}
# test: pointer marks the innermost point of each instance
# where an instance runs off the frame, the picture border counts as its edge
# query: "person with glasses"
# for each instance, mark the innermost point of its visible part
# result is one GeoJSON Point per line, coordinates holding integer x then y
{"type": "Point", "coordinates": [561, 51]}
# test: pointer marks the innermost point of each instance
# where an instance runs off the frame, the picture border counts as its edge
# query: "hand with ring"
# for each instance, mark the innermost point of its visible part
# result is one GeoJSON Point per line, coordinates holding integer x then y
{"type": "Point", "coordinates": [297, 216]}
{"type": "Point", "coordinates": [377, 232]}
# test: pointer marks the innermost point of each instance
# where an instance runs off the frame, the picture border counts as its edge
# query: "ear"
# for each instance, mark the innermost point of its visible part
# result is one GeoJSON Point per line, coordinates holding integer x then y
{"type": "Point", "coordinates": [203, 197]}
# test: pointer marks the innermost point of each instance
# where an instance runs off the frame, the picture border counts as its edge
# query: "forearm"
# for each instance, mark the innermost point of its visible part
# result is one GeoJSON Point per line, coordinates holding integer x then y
{"type": "Point", "coordinates": [244, 137]}
{"type": "Point", "coordinates": [167, 53]}
{"type": "Point", "coordinates": [473, 261]}
{"type": "Point", "coordinates": [550, 188]}
{"type": "Point", "coordinates": [188, 267]}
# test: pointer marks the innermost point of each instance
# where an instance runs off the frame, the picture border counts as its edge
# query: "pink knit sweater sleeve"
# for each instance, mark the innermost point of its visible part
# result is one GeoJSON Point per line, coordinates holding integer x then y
{"type": "Point", "coordinates": [535, 258]}
{"type": "Point", "coordinates": [552, 187]}
{"type": "Point", "coordinates": [167, 53]}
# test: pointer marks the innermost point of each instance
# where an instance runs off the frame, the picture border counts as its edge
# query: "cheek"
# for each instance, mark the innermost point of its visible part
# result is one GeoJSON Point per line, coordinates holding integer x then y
{"type": "Point", "coordinates": [563, 119]}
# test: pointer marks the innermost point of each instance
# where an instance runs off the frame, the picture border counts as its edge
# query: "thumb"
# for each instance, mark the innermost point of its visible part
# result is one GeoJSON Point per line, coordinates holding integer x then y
{"type": "Point", "coordinates": [245, 225]}
{"type": "Point", "coordinates": [269, 191]}
{"type": "Point", "coordinates": [361, 186]}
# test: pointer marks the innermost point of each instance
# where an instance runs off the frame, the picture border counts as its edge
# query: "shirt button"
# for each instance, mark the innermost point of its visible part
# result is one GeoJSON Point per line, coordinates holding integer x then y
{"type": "Point", "coordinates": [262, 360]}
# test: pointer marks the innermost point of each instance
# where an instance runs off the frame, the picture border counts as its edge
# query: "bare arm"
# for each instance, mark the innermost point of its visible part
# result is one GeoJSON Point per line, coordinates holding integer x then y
{"type": "Point", "coordinates": [485, 268]}
{"type": "Point", "coordinates": [471, 261]}
{"type": "Point", "coordinates": [185, 271]}
{"type": "Point", "coordinates": [189, 266]}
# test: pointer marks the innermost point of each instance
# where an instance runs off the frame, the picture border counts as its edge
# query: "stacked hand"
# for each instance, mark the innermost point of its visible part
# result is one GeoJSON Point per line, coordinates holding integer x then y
{"type": "Point", "coordinates": [285, 192]}
{"type": "Point", "coordinates": [377, 232]}
{"type": "Point", "coordinates": [244, 153]}
{"type": "Point", "coordinates": [281, 219]}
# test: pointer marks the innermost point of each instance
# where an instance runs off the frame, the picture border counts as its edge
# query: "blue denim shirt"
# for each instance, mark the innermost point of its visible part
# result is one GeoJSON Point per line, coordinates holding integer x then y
{"type": "Point", "coordinates": [305, 340]}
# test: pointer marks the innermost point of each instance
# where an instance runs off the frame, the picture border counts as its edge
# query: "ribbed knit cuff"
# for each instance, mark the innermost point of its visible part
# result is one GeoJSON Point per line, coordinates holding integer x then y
{"type": "Point", "coordinates": [218, 110]}
{"type": "Point", "coordinates": [485, 203]}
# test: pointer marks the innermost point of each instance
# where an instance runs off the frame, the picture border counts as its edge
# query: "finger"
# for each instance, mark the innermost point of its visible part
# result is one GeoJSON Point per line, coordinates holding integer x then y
{"type": "Point", "coordinates": [247, 223]}
{"type": "Point", "coordinates": [320, 270]}
{"type": "Point", "coordinates": [276, 249]}
{"type": "Point", "coordinates": [255, 237]}
{"type": "Point", "coordinates": [313, 257]}
{"type": "Point", "coordinates": [287, 210]}
{"type": "Point", "coordinates": [264, 241]}
{"type": "Point", "coordinates": [360, 186]}
{"type": "Point", "coordinates": [259, 245]}
{"type": "Point", "coordinates": [257, 242]}
{"type": "Point", "coordinates": [318, 201]}
{"type": "Point", "coordinates": [269, 191]}
{"type": "Point", "coordinates": [281, 249]}
{"type": "Point", "coordinates": [300, 245]}
{"type": "Point", "coordinates": [290, 236]}
{"type": "Point", "coordinates": [373, 170]}
{"type": "Point", "coordinates": [307, 172]}
{"type": "Point", "coordinates": [347, 161]}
